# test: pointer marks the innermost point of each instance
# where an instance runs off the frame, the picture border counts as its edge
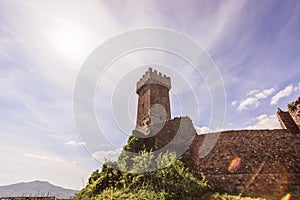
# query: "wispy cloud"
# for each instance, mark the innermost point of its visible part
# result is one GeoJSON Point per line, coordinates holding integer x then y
{"type": "Point", "coordinates": [253, 101]}
{"type": "Point", "coordinates": [42, 157]}
{"type": "Point", "coordinates": [282, 93]}
{"type": "Point", "coordinates": [74, 143]}
{"type": "Point", "coordinates": [252, 92]}
{"type": "Point", "coordinates": [248, 103]}
{"type": "Point", "coordinates": [265, 121]}
{"type": "Point", "coordinates": [205, 129]}
{"type": "Point", "coordinates": [103, 156]}
{"type": "Point", "coordinates": [234, 103]}
{"type": "Point", "coordinates": [297, 88]}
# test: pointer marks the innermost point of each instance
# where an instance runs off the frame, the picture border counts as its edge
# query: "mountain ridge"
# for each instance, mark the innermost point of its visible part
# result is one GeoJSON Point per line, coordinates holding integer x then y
{"type": "Point", "coordinates": [36, 188]}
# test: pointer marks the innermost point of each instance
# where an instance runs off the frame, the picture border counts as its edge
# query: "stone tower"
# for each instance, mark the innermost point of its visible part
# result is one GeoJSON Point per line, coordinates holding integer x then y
{"type": "Point", "coordinates": [154, 102]}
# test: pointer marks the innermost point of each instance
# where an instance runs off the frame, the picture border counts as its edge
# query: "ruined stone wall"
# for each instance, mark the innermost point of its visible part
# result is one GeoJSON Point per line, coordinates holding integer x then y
{"type": "Point", "coordinates": [296, 113]}
{"type": "Point", "coordinates": [270, 162]}
{"type": "Point", "coordinates": [296, 116]}
{"type": "Point", "coordinates": [270, 159]}
{"type": "Point", "coordinates": [286, 121]}
{"type": "Point", "coordinates": [179, 130]}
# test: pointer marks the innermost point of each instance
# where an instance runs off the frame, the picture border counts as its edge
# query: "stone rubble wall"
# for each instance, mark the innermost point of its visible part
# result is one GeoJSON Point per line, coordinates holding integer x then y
{"type": "Point", "coordinates": [286, 121]}
{"type": "Point", "coordinates": [270, 161]}
{"type": "Point", "coordinates": [296, 113]}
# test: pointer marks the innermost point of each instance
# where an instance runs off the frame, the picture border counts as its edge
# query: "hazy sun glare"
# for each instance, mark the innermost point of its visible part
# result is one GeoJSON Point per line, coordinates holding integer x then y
{"type": "Point", "coordinates": [70, 40]}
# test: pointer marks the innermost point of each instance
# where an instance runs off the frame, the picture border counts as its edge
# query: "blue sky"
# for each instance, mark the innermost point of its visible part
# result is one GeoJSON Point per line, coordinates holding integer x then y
{"type": "Point", "coordinates": [43, 44]}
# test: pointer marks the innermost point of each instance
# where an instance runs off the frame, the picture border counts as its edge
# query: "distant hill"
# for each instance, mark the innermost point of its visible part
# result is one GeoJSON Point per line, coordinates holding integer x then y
{"type": "Point", "coordinates": [35, 188]}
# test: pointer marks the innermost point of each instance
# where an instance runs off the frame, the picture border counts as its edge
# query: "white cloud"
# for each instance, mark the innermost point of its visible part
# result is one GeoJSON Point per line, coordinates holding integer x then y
{"type": "Point", "coordinates": [297, 88]}
{"type": "Point", "coordinates": [233, 103]}
{"type": "Point", "coordinates": [265, 93]}
{"type": "Point", "coordinates": [42, 157]}
{"type": "Point", "coordinates": [249, 103]}
{"type": "Point", "coordinates": [282, 93]}
{"type": "Point", "coordinates": [205, 129]}
{"type": "Point", "coordinates": [102, 156]}
{"type": "Point", "coordinates": [253, 101]}
{"type": "Point", "coordinates": [265, 121]}
{"type": "Point", "coordinates": [252, 92]}
{"type": "Point", "coordinates": [74, 143]}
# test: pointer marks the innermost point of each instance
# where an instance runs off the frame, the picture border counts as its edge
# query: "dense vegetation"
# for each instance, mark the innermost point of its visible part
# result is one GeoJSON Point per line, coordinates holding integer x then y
{"type": "Point", "coordinates": [131, 177]}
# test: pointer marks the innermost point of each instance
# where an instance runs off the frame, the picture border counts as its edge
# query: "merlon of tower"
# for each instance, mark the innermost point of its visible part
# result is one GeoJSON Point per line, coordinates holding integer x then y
{"type": "Point", "coordinates": [153, 77]}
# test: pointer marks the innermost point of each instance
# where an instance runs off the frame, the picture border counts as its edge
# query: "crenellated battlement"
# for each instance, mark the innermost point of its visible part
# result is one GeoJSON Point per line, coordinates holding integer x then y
{"type": "Point", "coordinates": [153, 77]}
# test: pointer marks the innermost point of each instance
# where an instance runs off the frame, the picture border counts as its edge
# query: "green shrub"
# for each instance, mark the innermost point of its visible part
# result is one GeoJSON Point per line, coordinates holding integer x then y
{"type": "Point", "coordinates": [136, 177]}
